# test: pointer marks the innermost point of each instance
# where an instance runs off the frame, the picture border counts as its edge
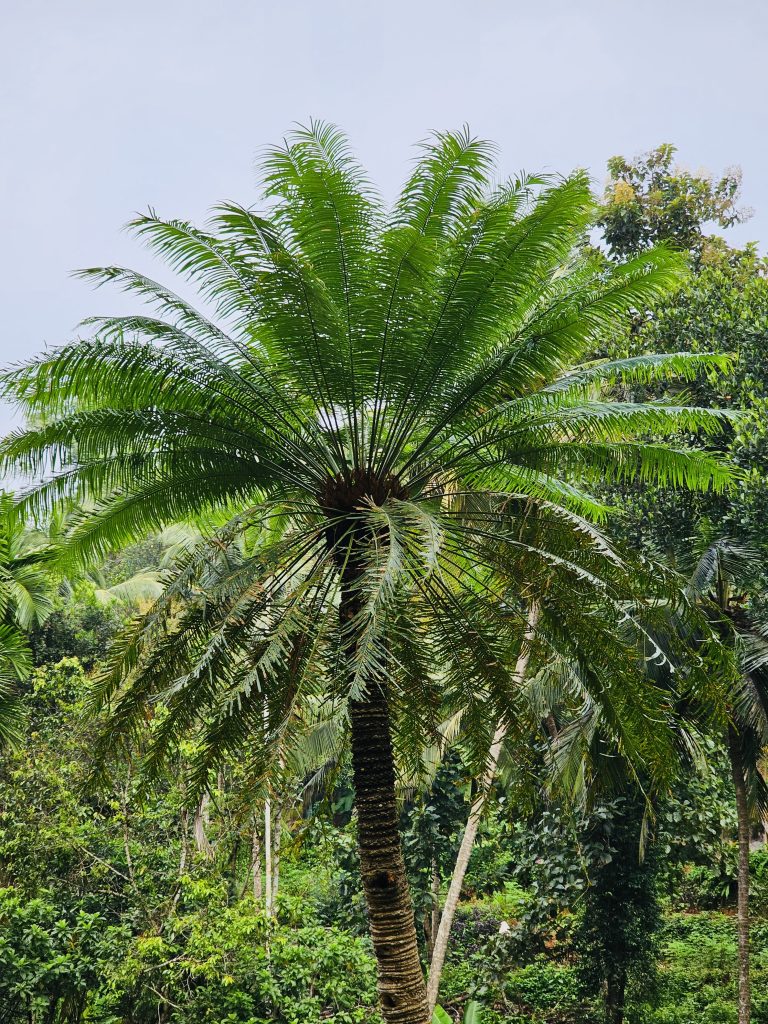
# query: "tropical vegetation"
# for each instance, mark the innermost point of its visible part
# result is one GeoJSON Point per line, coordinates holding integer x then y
{"type": "Point", "coordinates": [384, 635]}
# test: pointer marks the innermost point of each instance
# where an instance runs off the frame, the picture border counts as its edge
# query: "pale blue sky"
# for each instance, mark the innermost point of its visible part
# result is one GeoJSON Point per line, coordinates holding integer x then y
{"type": "Point", "coordinates": [107, 108]}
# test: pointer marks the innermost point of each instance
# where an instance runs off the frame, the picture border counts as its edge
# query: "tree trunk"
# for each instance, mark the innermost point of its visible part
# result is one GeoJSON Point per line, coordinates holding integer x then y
{"type": "Point", "coordinates": [454, 891]}
{"type": "Point", "coordinates": [256, 863]}
{"type": "Point", "coordinates": [402, 991]}
{"type": "Point", "coordinates": [742, 815]}
{"type": "Point", "coordinates": [202, 817]}
{"type": "Point", "coordinates": [473, 822]}
{"type": "Point", "coordinates": [432, 918]}
{"type": "Point", "coordinates": [268, 856]}
{"type": "Point", "coordinates": [614, 998]}
{"type": "Point", "coordinates": [277, 836]}
{"type": "Point", "coordinates": [183, 856]}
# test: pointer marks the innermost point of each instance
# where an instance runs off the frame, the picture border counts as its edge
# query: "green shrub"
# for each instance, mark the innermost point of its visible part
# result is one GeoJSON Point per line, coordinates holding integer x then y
{"type": "Point", "coordinates": [213, 963]}
{"type": "Point", "coordinates": [543, 985]}
{"type": "Point", "coordinates": [510, 902]}
{"type": "Point", "coordinates": [490, 864]}
{"type": "Point", "coordinates": [473, 925]}
{"type": "Point", "coordinates": [698, 979]}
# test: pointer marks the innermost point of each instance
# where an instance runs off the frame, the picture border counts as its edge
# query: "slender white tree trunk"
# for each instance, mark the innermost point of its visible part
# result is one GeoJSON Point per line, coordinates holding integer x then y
{"type": "Point", "coordinates": [277, 835]}
{"type": "Point", "coordinates": [256, 863]}
{"type": "Point", "coordinates": [742, 918]}
{"type": "Point", "coordinates": [268, 856]}
{"type": "Point", "coordinates": [183, 857]}
{"type": "Point", "coordinates": [432, 920]}
{"type": "Point", "coordinates": [277, 830]}
{"type": "Point", "coordinates": [473, 821]}
{"type": "Point", "coordinates": [202, 818]}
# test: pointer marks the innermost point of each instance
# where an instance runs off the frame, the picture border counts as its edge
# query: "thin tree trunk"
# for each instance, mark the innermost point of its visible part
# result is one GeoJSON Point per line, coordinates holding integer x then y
{"type": "Point", "coordinates": [277, 829]}
{"type": "Point", "coordinates": [184, 852]}
{"type": "Point", "coordinates": [277, 836]}
{"type": "Point", "coordinates": [256, 863]}
{"type": "Point", "coordinates": [183, 855]}
{"type": "Point", "coordinates": [473, 822]}
{"type": "Point", "coordinates": [432, 919]}
{"type": "Point", "coordinates": [742, 815]}
{"type": "Point", "coordinates": [202, 818]}
{"type": "Point", "coordinates": [268, 856]}
{"type": "Point", "coordinates": [127, 829]}
{"type": "Point", "coordinates": [614, 998]}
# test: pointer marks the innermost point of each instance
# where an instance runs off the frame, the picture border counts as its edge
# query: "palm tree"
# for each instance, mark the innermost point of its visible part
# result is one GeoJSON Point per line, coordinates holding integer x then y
{"type": "Point", "coordinates": [726, 587]}
{"type": "Point", "coordinates": [592, 758]}
{"type": "Point", "coordinates": [728, 581]}
{"type": "Point", "coordinates": [24, 602]}
{"type": "Point", "coordinates": [386, 392]}
{"type": "Point", "coordinates": [587, 683]}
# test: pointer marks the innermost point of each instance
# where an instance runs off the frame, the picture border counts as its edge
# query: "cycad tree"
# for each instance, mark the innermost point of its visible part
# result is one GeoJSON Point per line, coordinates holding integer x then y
{"type": "Point", "coordinates": [387, 392]}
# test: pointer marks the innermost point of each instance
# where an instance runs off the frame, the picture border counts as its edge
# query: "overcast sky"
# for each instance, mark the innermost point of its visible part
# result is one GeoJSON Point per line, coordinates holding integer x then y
{"type": "Point", "coordinates": [107, 108]}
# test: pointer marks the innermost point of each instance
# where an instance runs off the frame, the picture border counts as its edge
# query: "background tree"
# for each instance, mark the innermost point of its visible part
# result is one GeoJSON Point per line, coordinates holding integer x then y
{"type": "Point", "coordinates": [722, 307]}
{"type": "Point", "coordinates": [650, 200]}
{"type": "Point", "coordinates": [25, 602]}
{"type": "Point", "coordinates": [729, 581]}
{"type": "Point", "coordinates": [617, 934]}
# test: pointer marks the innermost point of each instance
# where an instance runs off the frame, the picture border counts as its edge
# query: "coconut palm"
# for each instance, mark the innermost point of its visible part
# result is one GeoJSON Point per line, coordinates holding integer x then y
{"type": "Point", "coordinates": [25, 601]}
{"type": "Point", "coordinates": [728, 581]}
{"type": "Point", "coordinates": [587, 674]}
{"type": "Point", "coordinates": [726, 585]}
{"type": "Point", "coordinates": [386, 392]}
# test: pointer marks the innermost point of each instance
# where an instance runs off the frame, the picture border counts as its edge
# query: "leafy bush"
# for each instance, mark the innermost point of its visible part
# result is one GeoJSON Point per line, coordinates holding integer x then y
{"type": "Point", "coordinates": [336, 891]}
{"type": "Point", "coordinates": [698, 980]}
{"type": "Point", "coordinates": [758, 869]}
{"type": "Point", "coordinates": [543, 985]}
{"type": "Point", "coordinates": [79, 627]}
{"type": "Point", "coordinates": [492, 860]}
{"type": "Point", "coordinates": [510, 902]}
{"type": "Point", "coordinates": [50, 956]}
{"type": "Point", "coordinates": [710, 886]}
{"type": "Point", "coordinates": [473, 925]}
{"type": "Point", "coordinates": [211, 964]}
{"type": "Point", "coordinates": [714, 885]}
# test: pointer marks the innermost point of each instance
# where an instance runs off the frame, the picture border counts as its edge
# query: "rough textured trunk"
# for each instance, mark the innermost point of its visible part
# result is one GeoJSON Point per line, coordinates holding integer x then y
{"type": "Point", "coordinates": [402, 990]}
{"type": "Point", "coordinates": [470, 831]}
{"type": "Point", "coordinates": [742, 814]}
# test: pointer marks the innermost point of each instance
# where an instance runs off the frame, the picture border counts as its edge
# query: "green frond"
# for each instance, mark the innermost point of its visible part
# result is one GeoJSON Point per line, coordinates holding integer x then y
{"type": "Point", "coordinates": [447, 183]}
{"type": "Point", "coordinates": [644, 369]}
